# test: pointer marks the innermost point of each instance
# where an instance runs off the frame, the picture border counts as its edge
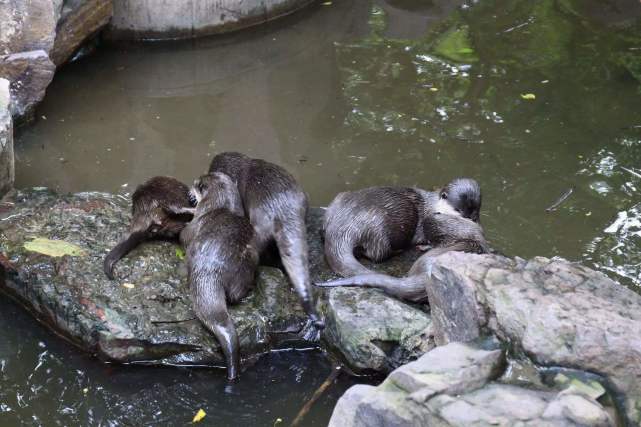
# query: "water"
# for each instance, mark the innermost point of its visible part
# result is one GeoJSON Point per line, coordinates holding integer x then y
{"type": "Point", "coordinates": [349, 95]}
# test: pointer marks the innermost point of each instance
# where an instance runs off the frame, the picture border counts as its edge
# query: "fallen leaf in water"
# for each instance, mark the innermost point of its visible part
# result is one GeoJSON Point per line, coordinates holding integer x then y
{"type": "Point", "coordinates": [128, 285]}
{"type": "Point", "coordinates": [278, 421]}
{"type": "Point", "coordinates": [199, 416]}
{"type": "Point", "coordinates": [528, 96]}
{"type": "Point", "coordinates": [180, 253]}
{"type": "Point", "coordinates": [327, 3]}
{"type": "Point", "coordinates": [434, 89]}
{"type": "Point", "coordinates": [54, 248]}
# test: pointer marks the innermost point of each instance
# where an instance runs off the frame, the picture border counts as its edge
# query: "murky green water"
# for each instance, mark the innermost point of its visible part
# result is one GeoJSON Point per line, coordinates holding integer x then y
{"type": "Point", "coordinates": [530, 98]}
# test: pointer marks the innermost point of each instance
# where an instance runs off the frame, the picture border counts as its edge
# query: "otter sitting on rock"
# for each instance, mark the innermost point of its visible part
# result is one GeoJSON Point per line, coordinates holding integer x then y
{"type": "Point", "coordinates": [276, 207]}
{"type": "Point", "coordinates": [160, 210]}
{"type": "Point", "coordinates": [446, 232]}
{"type": "Point", "coordinates": [379, 221]}
{"type": "Point", "coordinates": [222, 258]}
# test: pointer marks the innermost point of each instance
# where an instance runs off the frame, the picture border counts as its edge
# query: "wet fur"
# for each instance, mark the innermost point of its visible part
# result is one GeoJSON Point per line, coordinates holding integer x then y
{"type": "Point", "coordinates": [376, 222]}
{"type": "Point", "coordinates": [448, 233]}
{"type": "Point", "coordinates": [276, 207]}
{"type": "Point", "coordinates": [156, 214]}
{"type": "Point", "coordinates": [221, 259]}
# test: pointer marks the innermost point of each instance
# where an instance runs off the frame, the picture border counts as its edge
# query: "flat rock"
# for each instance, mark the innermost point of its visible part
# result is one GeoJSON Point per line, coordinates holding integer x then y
{"type": "Point", "coordinates": [145, 316]}
{"type": "Point", "coordinates": [7, 173]}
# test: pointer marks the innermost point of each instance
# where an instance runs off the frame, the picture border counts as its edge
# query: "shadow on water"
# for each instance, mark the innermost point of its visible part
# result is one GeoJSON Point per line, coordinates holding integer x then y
{"type": "Point", "coordinates": [530, 98]}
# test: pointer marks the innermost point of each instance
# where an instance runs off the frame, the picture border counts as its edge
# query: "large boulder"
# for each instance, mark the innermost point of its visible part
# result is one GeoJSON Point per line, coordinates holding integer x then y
{"type": "Point", "coordinates": [79, 21]}
{"type": "Point", "coordinates": [6, 140]}
{"type": "Point", "coordinates": [457, 385]}
{"type": "Point", "coordinates": [146, 314]}
{"type": "Point", "coordinates": [29, 73]}
{"type": "Point", "coordinates": [556, 312]}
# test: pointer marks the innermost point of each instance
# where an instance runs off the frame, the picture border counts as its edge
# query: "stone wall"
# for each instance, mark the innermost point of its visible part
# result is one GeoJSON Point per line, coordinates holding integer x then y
{"type": "Point", "coordinates": [169, 19]}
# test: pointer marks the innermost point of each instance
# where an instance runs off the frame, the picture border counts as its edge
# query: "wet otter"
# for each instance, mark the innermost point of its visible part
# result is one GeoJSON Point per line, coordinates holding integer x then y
{"type": "Point", "coordinates": [159, 211]}
{"type": "Point", "coordinates": [378, 221]}
{"type": "Point", "coordinates": [276, 206]}
{"type": "Point", "coordinates": [221, 259]}
{"type": "Point", "coordinates": [446, 233]}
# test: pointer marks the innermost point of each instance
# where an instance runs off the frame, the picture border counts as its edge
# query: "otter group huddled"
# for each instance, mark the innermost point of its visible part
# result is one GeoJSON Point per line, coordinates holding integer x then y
{"type": "Point", "coordinates": [242, 207]}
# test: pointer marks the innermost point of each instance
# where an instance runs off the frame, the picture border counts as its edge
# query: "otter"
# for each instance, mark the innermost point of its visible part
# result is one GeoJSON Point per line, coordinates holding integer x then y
{"type": "Point", "coordinates": [376, 222]}
{"type": "Point", "coordinates": [160, 210]}
{"type": "Point", "coordinates": [446, 233]}
{"type": "Point", "coordinates": [276, 207]}
{"type": "Point", "coordinates": [221, 259]}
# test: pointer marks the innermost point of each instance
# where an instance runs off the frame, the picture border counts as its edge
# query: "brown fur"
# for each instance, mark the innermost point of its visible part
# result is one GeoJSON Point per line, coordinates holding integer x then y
{"type": "Point", "coordinates": [157, 213]}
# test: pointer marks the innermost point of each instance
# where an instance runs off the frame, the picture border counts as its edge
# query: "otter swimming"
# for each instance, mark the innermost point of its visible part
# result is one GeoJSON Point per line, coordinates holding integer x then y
{"type": "Point", "coordinates": [221, 259]}
{"type": "Point", "coordinates": [447, 233]}
{"type": "Point", "coordinates": [378, 221]}
{"type": "Point", "coordinates": [159, 211]}
{"type": "Point", "coordinates": [276, 206]}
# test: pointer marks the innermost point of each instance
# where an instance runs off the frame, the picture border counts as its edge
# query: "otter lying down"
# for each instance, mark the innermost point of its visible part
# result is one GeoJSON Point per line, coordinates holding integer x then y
{"type": "Point", "coordinates": [233, 214]}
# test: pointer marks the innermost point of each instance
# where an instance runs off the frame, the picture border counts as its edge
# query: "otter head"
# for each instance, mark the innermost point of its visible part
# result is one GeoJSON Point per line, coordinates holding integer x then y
{"type": "Point", "coordinates": [218, 191]}
{"type": "Point", "coordinates": [464, 196]}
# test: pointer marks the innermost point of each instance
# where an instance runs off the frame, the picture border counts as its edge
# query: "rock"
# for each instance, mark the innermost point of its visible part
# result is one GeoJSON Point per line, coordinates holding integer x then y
{"type": "Point", "coordinates": [6, 140]}
{"type": "Point", "coordinates": [454, 310]}
{"type": "Point", "coordinates": [558, 313]}
{"type": "Point", "coordinates": [37, 34]}
{"type": "Point", "coordinates": [146, 315]}
{"type": "Point", "coordinates": [27, 26]}
{"type": "Point", "coordinates": [454, 385]}
{"type": "Point", "coordinates": [79, 21]}
{"type": "Point", "coordinates": [451, 369]}
{"type": "Point", "coordinates": [29, 73]}
{"type": "Point", "coordinates": [372, 331]}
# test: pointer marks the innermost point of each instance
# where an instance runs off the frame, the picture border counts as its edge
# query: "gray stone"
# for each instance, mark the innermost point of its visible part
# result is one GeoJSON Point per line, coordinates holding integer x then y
{"type": "Point", "coordinates": [455, 313]}
{"type": "Point", "coordinates": [558, 313]}
{"type": "Point", "coordinates": [146, 315]}
{"type": "Point", "coordinates": [29, 73]}
{"type": "Point", "coordinates": [456, 388]}
{"type": "Point", "coordinates": [450, 369]}
{"type": "Point", "coordinates": [372, 331]}
{"type": "Point", "coordinates": [6, 140]}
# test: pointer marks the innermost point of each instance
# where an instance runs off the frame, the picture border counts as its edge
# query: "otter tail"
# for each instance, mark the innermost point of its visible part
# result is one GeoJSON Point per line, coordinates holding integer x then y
{"type": "Point", "coordinates": [291, 240]}
{"type": "Point", "coordinates": [339, 254]}
{"type": "Point", "coordinates": [211, 309]}
{"type": "Point", "coordinates": [122, 249]}
{"type": "Point", "coordinates": [410, 288]}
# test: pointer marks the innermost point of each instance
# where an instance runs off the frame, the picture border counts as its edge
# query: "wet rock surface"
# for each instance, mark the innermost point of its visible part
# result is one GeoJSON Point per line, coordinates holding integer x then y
{"type": "Point", "coordinates": [145, 316]}
{"type": "Point", "coordinates": [7, 173]}
{"type": "Point", "coordinates": [456, 385]}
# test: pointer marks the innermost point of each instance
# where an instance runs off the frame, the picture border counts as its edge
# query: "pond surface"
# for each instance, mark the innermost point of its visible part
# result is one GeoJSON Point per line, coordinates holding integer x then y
{"type": "Point", "coordinates": [530, 98]}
